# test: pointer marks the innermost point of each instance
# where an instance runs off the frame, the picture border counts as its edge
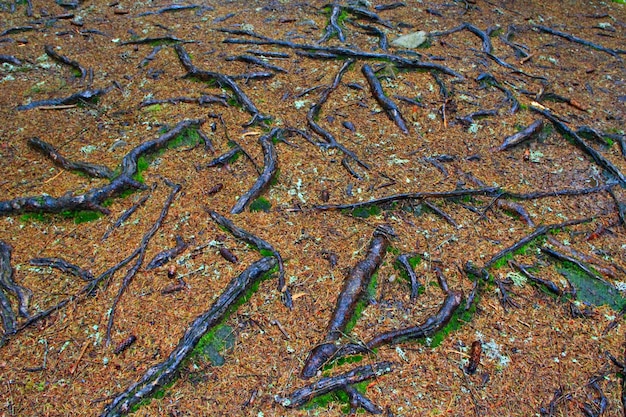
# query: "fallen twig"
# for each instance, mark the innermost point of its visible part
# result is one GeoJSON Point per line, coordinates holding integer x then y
{"type": "Point", "coordinates": [166, 39]}
{"type": "Point", "coordinates": [503, 294]}
{"type": "Point", "coordinates": [428, 328]}
{"type": "Point", "coordinates": [539, 231]}
{"type": "Point", "coordinates": [256, 61]}
{"type": "Point", "coordinates": [313, 114]}
{"type": "Point", "coordinates": [562, 257]}
{"type": "Point", "coordinates": [175, 8]}
{"type": "Point", "coordinates": [334, 52]}
{"type": "Point", "coordinates": [411, 196]}
{"type": "Point", "coordinates": [333, 27]}
{"type": "Point", "coordinates": [622, 369]}
{"type": "Point", "coordinates": [203, 100]}
{"type": "Point", "coordinates": [513, 207]}
{"type": "Point", "coordinates": [598, 406]}
{"type": "Point", "coordinates": [486, 47]}
{"type": "Point", "coordinates": [10, 59]}
{"type": "Point", "coordinates": [488, 79]}
{"type": "Point", "coordinates": [440, 213]}
{"type": "Point", "coordinates": [126, 214]}
{"type": "Point", "coordinates": [551, 286]}
{"type": "Point", "coordinates": [163, 373]}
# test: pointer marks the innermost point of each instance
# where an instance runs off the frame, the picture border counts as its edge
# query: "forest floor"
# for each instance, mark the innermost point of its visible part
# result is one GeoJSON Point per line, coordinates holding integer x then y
{"type": "Point", "coordinates": [544, 345]}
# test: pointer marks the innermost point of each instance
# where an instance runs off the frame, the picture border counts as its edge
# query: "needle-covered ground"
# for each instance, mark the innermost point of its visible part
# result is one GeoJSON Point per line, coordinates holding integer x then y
{"type": "Point", "coordinates": [106, 106]}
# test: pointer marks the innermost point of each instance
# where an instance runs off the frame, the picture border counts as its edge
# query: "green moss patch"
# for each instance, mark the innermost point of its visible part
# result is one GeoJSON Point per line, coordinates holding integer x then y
{"type": "Point", "coordinates": [79, 216]}
{"type": "Point", "coordinates": [591, 290]}
{"type": "Point", "coordinates": [214, 342]}
{"type": "Point", "coordinates": [261, 204]}
{"type": "Point", "coordinates": [365, 211]}
{"type": "Point", "coordinates": [338, 396]}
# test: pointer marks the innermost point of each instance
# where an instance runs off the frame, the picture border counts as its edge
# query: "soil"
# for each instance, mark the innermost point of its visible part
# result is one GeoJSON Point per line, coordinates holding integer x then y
{"type": "Point", "coordinates": [61, 366]}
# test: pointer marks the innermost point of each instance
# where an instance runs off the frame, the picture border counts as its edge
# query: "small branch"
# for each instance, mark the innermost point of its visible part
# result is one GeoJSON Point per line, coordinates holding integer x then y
{"type": "Point", "coordinates": [559, 193]}
{"type": "Point", "coordinates": [167, 40]}
{"type": "Point", "coordinates": [9, 320]}
{"type": "Point", "coordinates": [333, 27]}
{"type": "Point", "coordinates": [175, 8]}
{"type": "Point", "coordinates": [203, 100]}
{"type": "Point", "coordinates": [505, 299]}
{"type": "Point", "coordinates": [513, 207]}
{"type": "Point", "coordinates": [488, 79]}
{"type": "Point", "coordinates": [163, 373]}
{"type": "Point", "coordinates": [366, 14]}
{"type": "Point", "coordinates": [383, 43]}
{"type": "Point", "coordinates": [440, 213]}
{"type": "Point", "coordinates": [431, 326]}
{"type": "Point", "coordinates": [94, 198]}
{"type": "Point", "coordinates": [256, 61]}
{"type": "Point", "coordinates": [126, 214]}
{"type": "Point", "coordinates": [358, 400]}
{"type": "Point", "coordinates": [562, 257]}
{"type": "Point", "coordinates": [224, 158]}
{"type": "Point", "coordinates": [411, 196]}
{"type": "Point", "coordinates": [598, 406]}
{"type": "Point", "coordinates": [551, 286]}
{"type": "Point", "coordinates": [10, 59]}
{"type": "Point", "coordinates": [315, 109]}
{"type": "Point", "coordinates": [333, 52]}
{"type": "Point", "coordinates": [622, 369]}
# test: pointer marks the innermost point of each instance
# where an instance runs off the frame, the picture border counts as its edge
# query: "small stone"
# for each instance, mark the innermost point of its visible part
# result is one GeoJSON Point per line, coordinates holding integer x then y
{"type": "Point", "coordinates": [411, 41]}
